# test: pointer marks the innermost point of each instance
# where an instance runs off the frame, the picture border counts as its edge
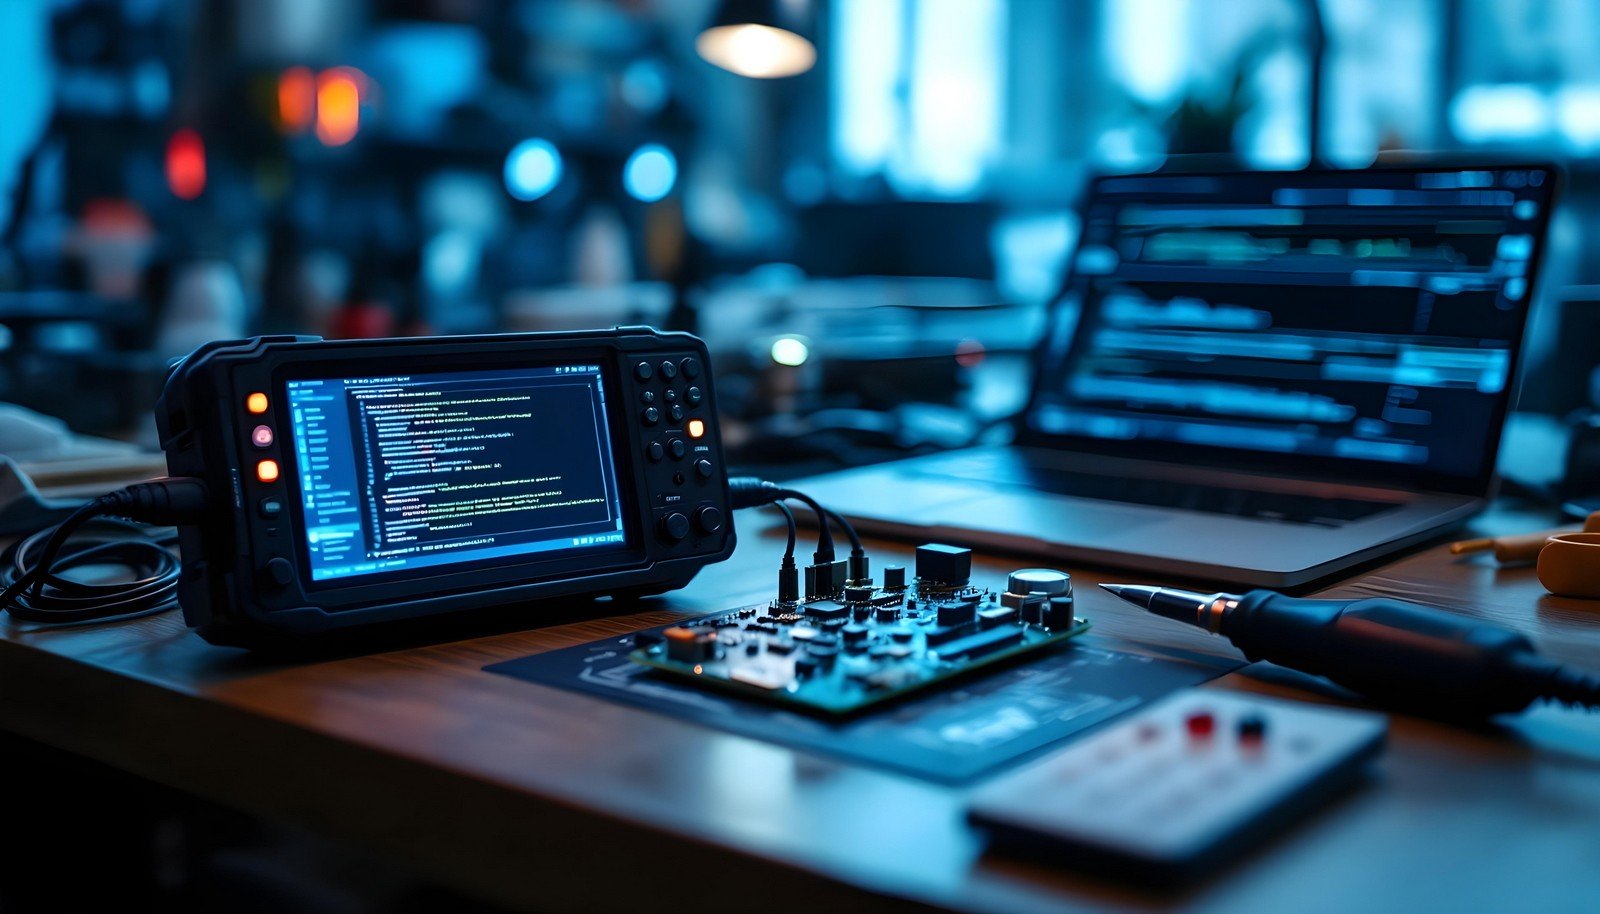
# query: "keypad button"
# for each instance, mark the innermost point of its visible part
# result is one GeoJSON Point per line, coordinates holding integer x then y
{"type": "Point", "coordinates": [650, 415]}
{"type": "Point", "coordinates": [690, 367]}
{"type": "Point", "coordinates": [279, 572]}
{"type": "Point", "coordinates": [670, 395]}
{"type": "Point", "coordinates": [643, 371]}
{"type": "Point", "coordinates": [708, 519]}
{"type": "Point", "coordinates": [702, 469]}
{"type": "Point", "coordinates": [655, 452]}
{"type": "Point", "coordinates": [677, 448]}
{"type": "Point", "coordinates": [270, 508]}
{"type": "Point", "coordinates": [694, 395]}
{"type": "Point", "coordinates": [675, 412]}
{"type": "Point", "coordinates": [647, 397]}
{"type": "Point", "coordinates": [668, 371]}
{"type": "Point", "coordinates": [674, 527]}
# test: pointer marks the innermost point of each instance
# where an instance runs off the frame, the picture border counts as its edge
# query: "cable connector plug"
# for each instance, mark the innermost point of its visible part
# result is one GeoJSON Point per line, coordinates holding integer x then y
{"type": "Point", "coordinates": [170, 501]}
{"type": "Point", "coordinates": [752, 492]}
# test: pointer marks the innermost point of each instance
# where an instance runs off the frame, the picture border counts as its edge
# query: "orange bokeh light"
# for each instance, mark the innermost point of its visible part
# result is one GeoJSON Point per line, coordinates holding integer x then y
{"type": "Point", "coordinates": [297, 100]}
{"type": "Point", "coordinates": [339, 105]}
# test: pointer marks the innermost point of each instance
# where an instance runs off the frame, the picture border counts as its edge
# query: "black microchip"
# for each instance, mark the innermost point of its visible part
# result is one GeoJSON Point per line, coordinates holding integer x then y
{"type": "Point", "coordinates": [827, 609]}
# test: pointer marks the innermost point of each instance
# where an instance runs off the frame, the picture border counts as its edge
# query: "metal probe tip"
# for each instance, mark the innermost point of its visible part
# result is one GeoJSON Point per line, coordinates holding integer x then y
{"type": "Point", "coordinates": [1137, 594]}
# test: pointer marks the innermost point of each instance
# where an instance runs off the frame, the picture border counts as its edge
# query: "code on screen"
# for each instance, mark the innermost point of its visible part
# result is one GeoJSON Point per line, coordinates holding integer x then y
{"type": "Point", "coordinates": [419, 471]}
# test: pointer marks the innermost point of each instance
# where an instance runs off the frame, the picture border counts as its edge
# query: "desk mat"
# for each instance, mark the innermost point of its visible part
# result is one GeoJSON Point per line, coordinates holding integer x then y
{"type": "Point", "coordinates": [954, 735]}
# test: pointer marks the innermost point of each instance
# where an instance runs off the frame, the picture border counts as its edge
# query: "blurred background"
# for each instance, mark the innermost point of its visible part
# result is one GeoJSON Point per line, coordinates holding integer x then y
{"type": "Point", "coordinates": [864, 206]}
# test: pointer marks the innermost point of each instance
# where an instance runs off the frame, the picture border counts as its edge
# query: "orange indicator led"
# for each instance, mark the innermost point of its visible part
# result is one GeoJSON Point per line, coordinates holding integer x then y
{"type": "Point", "coordinates": [256, 403]}
{"type": "Point", "coordinates": [696, 428]}
{"type": "Point", "coordinates": [267, 471]}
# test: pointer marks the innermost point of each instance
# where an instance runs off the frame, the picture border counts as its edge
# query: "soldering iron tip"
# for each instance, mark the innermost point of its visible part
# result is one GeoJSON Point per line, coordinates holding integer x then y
{"type": "Point", "coordinates": [1137, 594]}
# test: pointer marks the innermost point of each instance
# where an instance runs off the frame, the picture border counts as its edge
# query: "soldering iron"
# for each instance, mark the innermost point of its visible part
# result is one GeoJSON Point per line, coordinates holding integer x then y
{"type": "Point", "coordinates": [1397, 653]}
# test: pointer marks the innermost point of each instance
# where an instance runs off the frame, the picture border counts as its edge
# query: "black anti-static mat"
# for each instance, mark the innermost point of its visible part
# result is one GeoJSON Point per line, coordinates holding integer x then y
{"type": "Point", "coordinates": [952, 735]}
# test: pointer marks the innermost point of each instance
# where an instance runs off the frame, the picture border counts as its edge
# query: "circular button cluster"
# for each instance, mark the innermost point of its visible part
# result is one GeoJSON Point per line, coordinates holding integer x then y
{"type": "Point", "coordinates": [671, 409]}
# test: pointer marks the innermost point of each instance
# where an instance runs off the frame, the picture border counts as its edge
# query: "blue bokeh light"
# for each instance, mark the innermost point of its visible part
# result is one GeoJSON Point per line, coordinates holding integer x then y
{"type": "Point", "coordinates": [650, 173]}
{"type": "Point", "coordinates": [533, 169]}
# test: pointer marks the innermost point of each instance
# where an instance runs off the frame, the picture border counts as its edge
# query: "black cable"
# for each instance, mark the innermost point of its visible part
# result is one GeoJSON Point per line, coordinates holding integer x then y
{"type": "Point", "coordinates": [788, 516]}
{"type": "Point", "coordinates": [824, 552]}
{"type": "Point", "coordinates": [37, 589]}
{"type": "Point", "coordinates": [849, 529]}
{"type": "Point", "coordinates": [788, 574]}
{"type": "Point", "coordinates": [750, 492]}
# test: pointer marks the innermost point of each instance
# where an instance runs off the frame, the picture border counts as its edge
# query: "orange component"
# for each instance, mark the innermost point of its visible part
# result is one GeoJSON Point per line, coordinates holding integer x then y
{"type": "Point", "coordinates": [696, 428]}
{"type": "Point", "coordinates": [338, 105]}
{"type": "Point", "coordinates": [256, 403]}
{"type": "Point", "coordinates": [297, 100]}
{"type": "Point", "coordinates": [267, 471]}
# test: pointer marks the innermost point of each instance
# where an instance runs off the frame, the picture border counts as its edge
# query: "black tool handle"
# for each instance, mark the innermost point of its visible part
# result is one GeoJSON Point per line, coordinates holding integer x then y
{"type": "Point", "coordinates": [1397, 653]}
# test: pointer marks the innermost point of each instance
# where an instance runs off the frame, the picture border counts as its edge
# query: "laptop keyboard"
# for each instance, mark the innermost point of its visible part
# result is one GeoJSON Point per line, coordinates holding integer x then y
{"type": "Point", "coordinates": [1165, 493]}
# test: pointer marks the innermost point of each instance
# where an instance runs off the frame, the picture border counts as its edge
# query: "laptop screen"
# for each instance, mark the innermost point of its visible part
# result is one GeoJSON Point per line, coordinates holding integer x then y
{"type": "Point", "coordinates": [1354, 324]}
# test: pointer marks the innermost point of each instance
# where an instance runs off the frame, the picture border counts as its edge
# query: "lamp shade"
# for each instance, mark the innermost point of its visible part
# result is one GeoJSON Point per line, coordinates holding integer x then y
{"type": "Point", "coordinates": [762, 39]}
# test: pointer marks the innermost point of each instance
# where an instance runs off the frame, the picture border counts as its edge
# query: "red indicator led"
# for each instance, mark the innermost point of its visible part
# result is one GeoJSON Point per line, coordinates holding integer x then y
{"type": "Point", "coordinates": [1200, 724]}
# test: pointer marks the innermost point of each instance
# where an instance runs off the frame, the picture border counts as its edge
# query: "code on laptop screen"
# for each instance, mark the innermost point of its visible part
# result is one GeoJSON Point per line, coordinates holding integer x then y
{"type": "Point", "coordinates": [1368, 317]}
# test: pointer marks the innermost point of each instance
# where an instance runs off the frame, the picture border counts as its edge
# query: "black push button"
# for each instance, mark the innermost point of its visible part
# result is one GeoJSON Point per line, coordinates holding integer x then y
{"type": "Point", "coordinates": [674, 527]}
{"type": "Point", "coordinates": [678, 448]}
{"type": "Point", "coordinates": [668, 371]}
{"type": "Point", "coordinates": [670, 395]}
{"type": "Point", "coordinates": [694, 396]}
{"type": "Point", "coordinates": [270, 508]}
{"type": "Point", "coordinates": [690, 368]}
{"type": "Point", "coordinates": [643, 371]}
{"type": "Point", "coordinates": [702, 469]}
{"type": "Point", "coordinates": [655, 452]}
{"type": "Point", "coordinates": [708, 518]}
{"type": "Point", "coordinates": [647, 397]}
{"type": "Point", "coordinates": [675, 412]}
{"type": "Point", "coordinates": [279, 572]}
{"type": "Point", "coordinates": [650, 415]}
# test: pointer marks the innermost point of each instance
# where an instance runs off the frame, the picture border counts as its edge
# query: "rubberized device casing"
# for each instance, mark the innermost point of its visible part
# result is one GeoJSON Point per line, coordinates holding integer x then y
{"type": "Point", "coordinates": [246, 579]}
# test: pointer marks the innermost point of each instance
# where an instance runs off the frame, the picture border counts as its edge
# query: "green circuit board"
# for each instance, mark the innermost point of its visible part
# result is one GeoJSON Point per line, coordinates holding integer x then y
{"type": "Point", "coordinates": [840, 654]}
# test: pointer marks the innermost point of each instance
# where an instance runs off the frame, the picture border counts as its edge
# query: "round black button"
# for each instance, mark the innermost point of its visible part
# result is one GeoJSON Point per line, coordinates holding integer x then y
{"type": "Point", "coordinates": [678, 448]}
{"type": "Point", "coordinates": [674, 527]}
{"type": "Point", "coordinates": [702, 469]}
{"type": "Point", "coordinates": [655, 452]}
{"type": "Point", "coordinates": [690, 367]}
{"type": "Point", "coordinates": [650, 416]}
{"type": "Point", "coordinates": [647, 397]}
{"type": "Point", "coordinates": [279, 572]}
{"type": "Point", "coordinates": [643, 371]}
{"type": "Point", "coordinates": [675, 412]}
{"type": "Point", "coordinates": [670, 395]}
{"type": "Point", "coordinates": [694, 396]}
{"type": "Point", "coordinates": [668, 371]}
{"type": "Point", "coordinates": [708, 518]}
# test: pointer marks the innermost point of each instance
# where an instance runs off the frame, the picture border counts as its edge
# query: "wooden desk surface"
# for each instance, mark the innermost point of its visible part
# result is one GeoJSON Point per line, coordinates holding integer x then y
{"type": "Point", "coordinates": [542, 798]}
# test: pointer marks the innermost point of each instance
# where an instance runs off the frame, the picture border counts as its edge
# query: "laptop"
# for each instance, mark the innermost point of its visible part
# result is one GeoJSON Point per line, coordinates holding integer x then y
{"type": "Point", "coordinates": [1256, 378]}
